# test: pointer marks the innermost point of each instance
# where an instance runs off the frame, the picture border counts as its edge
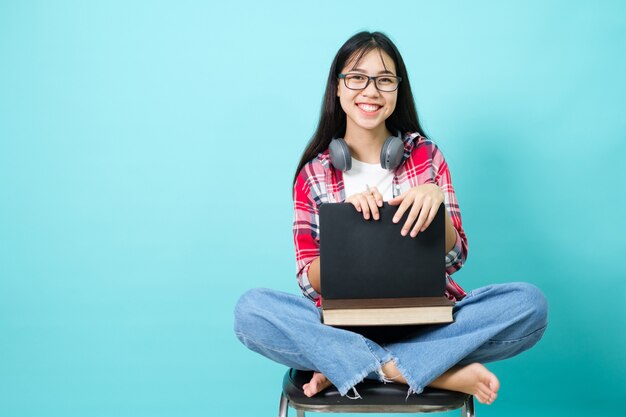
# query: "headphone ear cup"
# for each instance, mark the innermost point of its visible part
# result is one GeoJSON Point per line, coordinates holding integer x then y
{"type": "Point", "coordinates": [340, 155]}
{"type": "Point", "coordinates": [391, 153]}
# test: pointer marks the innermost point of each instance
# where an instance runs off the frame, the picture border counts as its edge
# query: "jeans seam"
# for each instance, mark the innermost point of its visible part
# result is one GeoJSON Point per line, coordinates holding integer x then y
{"type": "Point", "coordinates": [381, 360]}
{"type": "Point", "coordinates": [492, 341]}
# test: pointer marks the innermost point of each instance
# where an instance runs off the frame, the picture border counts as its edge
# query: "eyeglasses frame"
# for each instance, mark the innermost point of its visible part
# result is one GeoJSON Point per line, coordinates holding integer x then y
{"type": "Point", "coordinates": [369, 78]}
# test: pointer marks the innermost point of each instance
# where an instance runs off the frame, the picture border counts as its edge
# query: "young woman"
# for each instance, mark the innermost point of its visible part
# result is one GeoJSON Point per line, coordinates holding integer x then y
{"type": "Point", "coordinates": [368, 103]}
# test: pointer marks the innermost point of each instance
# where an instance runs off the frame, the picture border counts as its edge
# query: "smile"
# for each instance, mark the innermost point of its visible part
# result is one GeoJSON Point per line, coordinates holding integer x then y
{"type": "Point", "coordinates": [369, 108]}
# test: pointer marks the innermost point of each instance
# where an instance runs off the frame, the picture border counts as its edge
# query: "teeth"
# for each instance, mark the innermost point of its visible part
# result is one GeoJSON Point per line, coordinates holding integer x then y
{"type": "Point", "coordinates": [369, 107]}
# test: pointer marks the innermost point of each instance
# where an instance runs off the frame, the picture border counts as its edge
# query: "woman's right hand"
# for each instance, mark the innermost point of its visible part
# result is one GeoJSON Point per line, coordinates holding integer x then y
{"type": "Point", "coordinates": [367, 202]}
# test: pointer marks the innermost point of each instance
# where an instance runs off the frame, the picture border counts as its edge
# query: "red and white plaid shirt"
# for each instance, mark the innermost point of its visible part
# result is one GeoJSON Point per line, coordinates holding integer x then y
{"type": "Point", "coordinates": [319, 182]}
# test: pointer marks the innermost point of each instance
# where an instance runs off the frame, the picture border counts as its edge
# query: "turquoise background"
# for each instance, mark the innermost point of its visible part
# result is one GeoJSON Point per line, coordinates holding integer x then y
{"type": "Point", "coordinates": [147, 151]}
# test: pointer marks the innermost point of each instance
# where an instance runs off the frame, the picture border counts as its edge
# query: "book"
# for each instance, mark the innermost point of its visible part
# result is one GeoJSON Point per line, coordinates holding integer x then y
{"type": "Point", "coordinates": [371, 275]}
{"type": "Point", "coordinates": [387, 311]}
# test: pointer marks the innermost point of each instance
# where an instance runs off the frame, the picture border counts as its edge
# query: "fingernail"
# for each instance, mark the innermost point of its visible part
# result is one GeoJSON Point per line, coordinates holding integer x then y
{"type": "Point", "coordinates": [403, 233]}
{"type": "Point", "coordinates": [395, 220]}
{"type": "Point", "coordinates": [380, 203]}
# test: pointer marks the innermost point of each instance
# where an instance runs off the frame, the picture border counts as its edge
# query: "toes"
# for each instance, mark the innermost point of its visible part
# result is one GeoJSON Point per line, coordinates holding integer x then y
{"type": "Point", "coordinates": [494, 384]}
{"type": "Point", "coordinates": [490, 380]}
{"type": "Point", "coordinates": [481, 397]}
{"type": "Point", "coordinates": [308, 390]}
{"type": "Point", "coordinates": [317, 383]}
{"type": "Point", "coordinates": [485, 395]}
{"type": "Point", "coordinates": [485, 398]}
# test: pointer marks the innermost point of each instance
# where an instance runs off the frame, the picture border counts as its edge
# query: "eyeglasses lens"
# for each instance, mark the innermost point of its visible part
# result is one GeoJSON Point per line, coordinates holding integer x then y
{"type": "Point", "coordinates": [359, 82]}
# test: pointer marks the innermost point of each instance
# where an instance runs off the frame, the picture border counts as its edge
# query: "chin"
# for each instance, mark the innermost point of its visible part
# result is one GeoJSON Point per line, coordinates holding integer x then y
{"type": "Point", "coordinates": [371, 126]}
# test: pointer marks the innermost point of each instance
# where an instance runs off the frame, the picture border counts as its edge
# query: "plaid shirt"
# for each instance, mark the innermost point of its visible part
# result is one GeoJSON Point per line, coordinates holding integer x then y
{"type": "Point", "coordinates": [319, 182]}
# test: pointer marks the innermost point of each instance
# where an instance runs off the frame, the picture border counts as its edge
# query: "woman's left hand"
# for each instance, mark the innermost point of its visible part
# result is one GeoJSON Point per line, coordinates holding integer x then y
{"type": "Point", "coordinates": [424, 201]}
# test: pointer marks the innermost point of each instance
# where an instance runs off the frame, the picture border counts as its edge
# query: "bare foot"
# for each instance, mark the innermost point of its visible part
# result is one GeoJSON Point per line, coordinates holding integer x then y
{"type": "Point", "coordinates": [472, 379]}
{"type": "Point", "coordinates": [317, 383]}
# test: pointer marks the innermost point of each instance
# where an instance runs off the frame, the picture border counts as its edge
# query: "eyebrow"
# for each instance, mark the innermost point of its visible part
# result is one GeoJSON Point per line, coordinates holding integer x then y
{"type": "Point", "coordinates": [362, 71]}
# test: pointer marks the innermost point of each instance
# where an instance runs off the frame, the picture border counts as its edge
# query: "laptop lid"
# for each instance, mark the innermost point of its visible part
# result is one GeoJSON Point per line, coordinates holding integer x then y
{"type": "Point", "coordinates": [370, 258]}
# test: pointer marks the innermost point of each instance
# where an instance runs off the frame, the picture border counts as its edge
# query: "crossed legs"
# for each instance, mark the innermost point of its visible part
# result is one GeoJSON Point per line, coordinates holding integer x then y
{"type": "Point", "coordinates": [491, 323]}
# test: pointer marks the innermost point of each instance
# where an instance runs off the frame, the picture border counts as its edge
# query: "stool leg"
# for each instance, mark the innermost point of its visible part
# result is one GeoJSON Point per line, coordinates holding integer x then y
{"type": "Point", "coordinates": [468, 407]}
{"type": "Point", "coordinates": [282, 407]}
{"type": "Point", "coordinates": [300, 413]}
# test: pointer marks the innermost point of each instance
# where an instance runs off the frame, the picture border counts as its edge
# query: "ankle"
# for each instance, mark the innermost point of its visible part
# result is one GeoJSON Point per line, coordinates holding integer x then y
{"type": "Point", "coordinates": [391, 373]}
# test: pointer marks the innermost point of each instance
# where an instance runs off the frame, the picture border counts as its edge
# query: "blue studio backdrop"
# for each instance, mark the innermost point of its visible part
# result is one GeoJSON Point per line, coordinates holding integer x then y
{"type": "Point", "coordinates": [147, 151]}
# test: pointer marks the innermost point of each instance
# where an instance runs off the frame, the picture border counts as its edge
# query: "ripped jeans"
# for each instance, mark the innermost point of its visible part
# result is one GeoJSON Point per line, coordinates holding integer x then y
{"type": "Point", "coordinates": [491, 323]}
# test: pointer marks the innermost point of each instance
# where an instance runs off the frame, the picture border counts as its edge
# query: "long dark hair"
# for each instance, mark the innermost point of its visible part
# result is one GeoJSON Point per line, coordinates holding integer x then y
{"type": "Point", "coordinates": [332, 121]}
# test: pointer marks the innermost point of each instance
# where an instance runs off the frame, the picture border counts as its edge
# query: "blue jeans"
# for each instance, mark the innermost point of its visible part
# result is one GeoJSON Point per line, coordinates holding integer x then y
{"type": "Point", "coordinates": [491, 323]}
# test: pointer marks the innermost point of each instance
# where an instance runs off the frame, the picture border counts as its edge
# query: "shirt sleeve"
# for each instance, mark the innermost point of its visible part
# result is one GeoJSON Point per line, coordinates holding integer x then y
{"type": "Point", "coordinates": [305, 233]}
{"type": "Point", "coordinates": [456, 257]}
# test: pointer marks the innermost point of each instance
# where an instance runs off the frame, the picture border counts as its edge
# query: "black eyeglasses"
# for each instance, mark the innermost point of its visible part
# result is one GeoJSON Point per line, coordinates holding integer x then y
{"type": "Point", "coordinates": [387, 83]}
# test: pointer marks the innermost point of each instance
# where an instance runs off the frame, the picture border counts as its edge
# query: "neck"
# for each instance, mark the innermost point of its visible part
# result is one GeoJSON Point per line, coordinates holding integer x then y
{"type": "Point", "coordinates": [365, 144]}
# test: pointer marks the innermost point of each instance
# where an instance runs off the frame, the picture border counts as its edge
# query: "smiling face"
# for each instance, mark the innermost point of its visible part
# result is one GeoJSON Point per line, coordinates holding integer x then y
{"type": "Point", "coordinates": [369, 108]}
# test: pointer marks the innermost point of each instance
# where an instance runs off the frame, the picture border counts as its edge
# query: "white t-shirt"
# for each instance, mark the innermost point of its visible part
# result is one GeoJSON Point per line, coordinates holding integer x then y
{"type": "Point", "coordinates": [362, 174]}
